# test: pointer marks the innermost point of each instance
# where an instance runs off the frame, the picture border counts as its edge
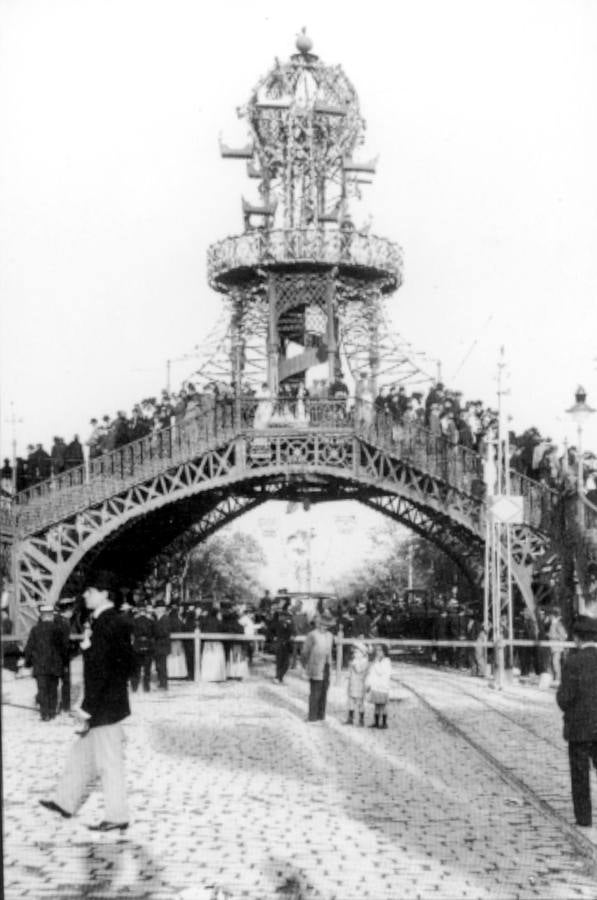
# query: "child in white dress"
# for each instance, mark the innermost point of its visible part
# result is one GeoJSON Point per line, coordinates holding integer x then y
{"type": "Point", "coordinates": [378, 682]}
{"type": "Point", "coordinates": [357, 672]}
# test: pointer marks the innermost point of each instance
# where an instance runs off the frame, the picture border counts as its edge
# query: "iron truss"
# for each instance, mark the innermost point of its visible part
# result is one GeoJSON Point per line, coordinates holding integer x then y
{"type": "Point", "coordinates": [244, 464]}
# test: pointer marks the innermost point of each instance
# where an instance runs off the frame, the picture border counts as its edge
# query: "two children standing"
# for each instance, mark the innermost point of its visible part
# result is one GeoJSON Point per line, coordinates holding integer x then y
{"type": "Point", "coordinates": [371, 681]}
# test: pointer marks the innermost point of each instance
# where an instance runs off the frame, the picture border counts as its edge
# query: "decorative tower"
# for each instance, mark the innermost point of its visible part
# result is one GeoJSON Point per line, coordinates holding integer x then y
{"type": "Point", "coordinates": [304, 283]}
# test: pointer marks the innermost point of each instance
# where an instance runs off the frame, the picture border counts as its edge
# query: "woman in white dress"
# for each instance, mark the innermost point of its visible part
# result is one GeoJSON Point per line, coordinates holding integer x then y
{"type": "Point", "coordinates": [213, 658]}
{"type": "Point", "coordinates": [301, 412]}
{"type": "Point", "coordinates": [265, 408]}
{"type": "Point", "coordinates": [237, 666]}
{"type": "Point", "coordinates": [176, 661]}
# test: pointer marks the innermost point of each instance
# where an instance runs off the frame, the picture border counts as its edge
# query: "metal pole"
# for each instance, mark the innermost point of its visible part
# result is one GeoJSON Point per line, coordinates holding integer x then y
{"type": "Point", "coordinates": [487, 582]}
{"type": "Point", "coordinates": [13, 421]}
{"type": "Point", "coordinates": [580, 484]}
{"type": "Point", "coordinates": [497, 625]}
{"type": "Point", "coordinates": [168, 375]}
{"type": "Point", "coordinates": [197, 641]}
{"type": "Point", "coordinates": [339, 652]}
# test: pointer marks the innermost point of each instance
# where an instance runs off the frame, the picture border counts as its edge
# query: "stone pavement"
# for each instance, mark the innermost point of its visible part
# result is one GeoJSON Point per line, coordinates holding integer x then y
{"type": "Point", "coordinates": [235, 795]}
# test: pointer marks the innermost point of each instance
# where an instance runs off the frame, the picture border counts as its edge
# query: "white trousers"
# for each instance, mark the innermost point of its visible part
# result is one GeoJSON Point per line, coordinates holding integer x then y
{"type": "Point", "coordinates": [99, 752]}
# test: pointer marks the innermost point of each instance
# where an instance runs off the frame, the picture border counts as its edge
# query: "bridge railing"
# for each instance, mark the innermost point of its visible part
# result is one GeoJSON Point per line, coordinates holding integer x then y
{"type": "Point", "coordinates": [455, 464]}
{"type": "Point", "coordinates": [103, 476]}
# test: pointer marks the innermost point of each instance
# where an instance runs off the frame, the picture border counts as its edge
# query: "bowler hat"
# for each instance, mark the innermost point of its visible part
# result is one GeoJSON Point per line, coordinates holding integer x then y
{"type": "Point", "coordinates": [101, 580]}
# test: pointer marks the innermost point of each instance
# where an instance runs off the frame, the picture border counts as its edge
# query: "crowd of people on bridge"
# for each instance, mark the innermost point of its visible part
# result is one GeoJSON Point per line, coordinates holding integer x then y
{"type": "Point", "coordinates": [444, 413]}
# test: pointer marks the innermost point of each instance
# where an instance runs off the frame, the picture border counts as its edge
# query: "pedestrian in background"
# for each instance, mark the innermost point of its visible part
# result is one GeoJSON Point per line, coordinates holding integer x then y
{"type": "Point", "coordinates": [317, 662]}
{"type": "Point", "coordinates": [45, 652]}
{"type": "Point", "coordinates": [10, 649]}
{"type": "Point", "coordinates": [378, 685]}
{"type": "Point", "coordinates": [577, 697]}
{"type": "Point", "coordinates": [283, 629]}
{"type": "Point", "coordinates": [99, 748]}
{"type": "Point", "coordinates": [162, 644]}
{"type": "Point", "coordinates": [557, 632]}
{"type": "Point", "coordinates": [143, 647]}
{"type": "Point", "coordinates": [62, 617]}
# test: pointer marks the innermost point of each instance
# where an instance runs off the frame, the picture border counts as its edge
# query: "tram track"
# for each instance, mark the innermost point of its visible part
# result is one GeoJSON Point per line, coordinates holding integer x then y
{"type": "Point", "coordinates": [524, 726]}
{"type": "Point", "coordinates": [532, 795]}
{"type": "Point", "coordinates": [579, 841]}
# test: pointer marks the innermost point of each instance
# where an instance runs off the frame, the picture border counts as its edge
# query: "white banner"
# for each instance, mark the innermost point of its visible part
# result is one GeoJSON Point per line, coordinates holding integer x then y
{"type": "Point", "coordinates": [507, 508]}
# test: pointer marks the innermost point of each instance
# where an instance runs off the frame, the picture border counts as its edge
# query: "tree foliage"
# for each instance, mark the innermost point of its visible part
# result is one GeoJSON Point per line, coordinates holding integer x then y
{"type": "Point", "coordinates": [226, 565]}
{"type": "Point", "coordinates": [385, 572]}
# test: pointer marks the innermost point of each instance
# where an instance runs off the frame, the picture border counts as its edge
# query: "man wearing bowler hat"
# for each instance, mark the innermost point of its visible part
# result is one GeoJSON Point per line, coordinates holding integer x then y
{"type": "Point", "coordinates": [99, 749]}
{"type": "Point", "coordinates": [577, 697]}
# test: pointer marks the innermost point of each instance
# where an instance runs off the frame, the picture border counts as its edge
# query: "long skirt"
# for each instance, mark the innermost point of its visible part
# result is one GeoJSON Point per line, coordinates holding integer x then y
{"type": "Point", "coordinates": [176, 662]}
{"type": "Point", "coordinates": [213, 661]}
{"type": "Point", "coordinates": [238, 665]}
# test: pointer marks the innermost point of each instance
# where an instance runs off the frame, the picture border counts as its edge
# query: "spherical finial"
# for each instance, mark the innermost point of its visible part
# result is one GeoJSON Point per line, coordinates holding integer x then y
{"type": "Point", "coordinates": [304, 44]}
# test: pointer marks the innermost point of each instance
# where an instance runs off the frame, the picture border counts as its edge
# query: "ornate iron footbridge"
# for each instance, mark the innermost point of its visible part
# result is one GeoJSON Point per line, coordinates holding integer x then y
{"type": "Point", "coordinates": [217, 465]}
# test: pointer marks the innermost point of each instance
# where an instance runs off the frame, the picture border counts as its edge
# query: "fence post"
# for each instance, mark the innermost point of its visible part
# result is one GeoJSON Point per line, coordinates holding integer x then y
{"type": "Point", "coordinates": [197, 642]}
{"type": "Point", "coordinates": [339, 651]}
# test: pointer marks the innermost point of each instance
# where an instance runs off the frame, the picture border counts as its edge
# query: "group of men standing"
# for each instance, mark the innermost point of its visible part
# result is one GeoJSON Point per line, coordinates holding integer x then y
{"type": "Point", "coordinates": [48, 653]}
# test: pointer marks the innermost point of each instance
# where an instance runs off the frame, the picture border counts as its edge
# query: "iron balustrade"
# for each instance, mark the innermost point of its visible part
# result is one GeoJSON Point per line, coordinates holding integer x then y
{"type": "Point", "coordinates": [222, 420]}
{"type": "Point", "coordinates": [310, 245]}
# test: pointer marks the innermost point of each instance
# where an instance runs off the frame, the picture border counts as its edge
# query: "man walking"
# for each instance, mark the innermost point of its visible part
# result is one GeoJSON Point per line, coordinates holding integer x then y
{"type": "Point", "coordinates": [99, 749]}
{"type": "Point", "coordinates": [577, 697]}
{"type": "Point", "coordinates": [317, 662]}
{"type": "Point", "coordinates": [283, 628]}
{"type": "Point", "coordinates": [46, 651]}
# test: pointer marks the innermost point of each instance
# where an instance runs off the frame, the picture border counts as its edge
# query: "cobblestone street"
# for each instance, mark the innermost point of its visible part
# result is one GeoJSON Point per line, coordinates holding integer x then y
{"type": "Point", "coordinates": [235, 795]}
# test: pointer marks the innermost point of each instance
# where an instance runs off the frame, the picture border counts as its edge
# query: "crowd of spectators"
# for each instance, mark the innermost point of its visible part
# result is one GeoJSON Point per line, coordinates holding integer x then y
{"type": "Point", "coordinates": [443, 412]}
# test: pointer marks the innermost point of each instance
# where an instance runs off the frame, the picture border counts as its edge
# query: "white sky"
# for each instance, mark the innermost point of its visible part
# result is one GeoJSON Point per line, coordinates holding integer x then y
{"type": "Point", "coordinates": [484, 115]}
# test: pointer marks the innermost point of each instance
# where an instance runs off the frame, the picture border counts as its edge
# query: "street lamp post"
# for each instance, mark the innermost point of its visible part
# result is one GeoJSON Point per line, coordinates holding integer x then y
{"type": "Point", "coordinates": [580, 413]}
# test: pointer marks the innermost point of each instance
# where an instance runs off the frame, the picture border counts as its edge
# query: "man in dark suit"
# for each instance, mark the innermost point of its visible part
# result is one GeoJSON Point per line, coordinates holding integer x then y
{"type": "Point", "coordinates": [283, 632]}
{"type": "Point", "coordinates": [99, 749]}
{"type": "Point", "coordinates": [46, 650]}
{"type": "Point", "coordinates": [162, 632]}
{"type": "Point", "coordinates": [577, 697]}
{"type": "Point", "coordinates": [143, 645]}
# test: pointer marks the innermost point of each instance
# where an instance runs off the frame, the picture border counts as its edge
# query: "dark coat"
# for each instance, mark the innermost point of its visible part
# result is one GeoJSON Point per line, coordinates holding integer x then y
{"type": "Point", "coordinates": [143, 633]}
{"type": "Point", "coordinates": [107, 664]}
{"type": "Point", "coordinates": [46, 649]}
{"type": "Point", "coordinates": [361, 625]}
{"type": "Point", "coordinates": [73, 454]}
{"type": "Point", "coordinates": [162, 630]}
{"type": "Point", "coordinates": [577, 695]}
{"type": "Point", "coordinates": [283, 627]}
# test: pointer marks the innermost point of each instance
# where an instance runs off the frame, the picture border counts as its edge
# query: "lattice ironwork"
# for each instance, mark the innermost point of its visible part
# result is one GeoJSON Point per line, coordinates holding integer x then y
{"type": "Point", "coordinates": [353, 456]}
{"type": "Point", "coordinates": [465, 549]}
{"type": "Point", "coordinates": [301, 289]}
{"type": "Point", "coordinates": [234, 260]}
{"type": "Point", "coordinates": [368, 343]}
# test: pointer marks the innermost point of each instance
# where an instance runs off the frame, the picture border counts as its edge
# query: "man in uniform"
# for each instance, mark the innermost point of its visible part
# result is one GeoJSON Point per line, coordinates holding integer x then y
{"type": "Point", "coordinates": [99, 749]}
